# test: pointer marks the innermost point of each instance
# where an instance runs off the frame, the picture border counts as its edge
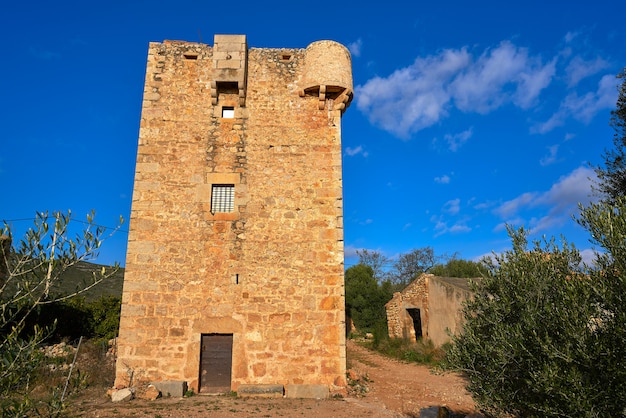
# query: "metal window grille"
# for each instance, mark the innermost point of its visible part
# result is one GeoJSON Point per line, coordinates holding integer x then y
{"type": "Point", "coordinates": [223, 198]}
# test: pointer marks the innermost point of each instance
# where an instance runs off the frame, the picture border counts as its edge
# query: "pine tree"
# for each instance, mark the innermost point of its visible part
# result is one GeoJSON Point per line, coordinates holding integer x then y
{"type": "Point", "coordinates": [612, 175]}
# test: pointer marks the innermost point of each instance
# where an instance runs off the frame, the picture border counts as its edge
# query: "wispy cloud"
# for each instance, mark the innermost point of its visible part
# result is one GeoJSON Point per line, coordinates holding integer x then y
{"type": "Point", "coordinates": [582, 108]}
{"type": "Point", "coordinates": [351, 152]}
{"type": "Point", "coordinates": [423, 94]}
{"type": "Point", "coordinates": [445, 179]}
{"type": "Point", "coordinates": [355, 47]}
{"type": "Point", "coordinates": [452, 207]}
{"type": "Point", "coordinates": [551, 158]}
{"type": "Point", "coordinates": [442, 227]}
{"type": "Point", "coordinates": [555, 205]}
{"type": "Point", "coordinates": [455, 141]}
{"type": "Point", "coordinates": [418, 96]}
{"type": "Point", "coordinates": [579, 68]}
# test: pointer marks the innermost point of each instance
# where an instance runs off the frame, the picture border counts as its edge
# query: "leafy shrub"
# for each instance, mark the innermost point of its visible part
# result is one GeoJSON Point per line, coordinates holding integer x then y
{"type": "Point", "coordinates": [422, 351]}
{"type": "Point", "coordinates": [365, 299]}
{"type": "Point", "coordinates": [543, 337]}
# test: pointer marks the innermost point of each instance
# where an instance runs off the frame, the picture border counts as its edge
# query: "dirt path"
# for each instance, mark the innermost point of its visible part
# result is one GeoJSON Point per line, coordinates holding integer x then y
{"type": "Point", "coordinates": [407, 388]}
{"type": "Point", "coordinates": [390, 389]}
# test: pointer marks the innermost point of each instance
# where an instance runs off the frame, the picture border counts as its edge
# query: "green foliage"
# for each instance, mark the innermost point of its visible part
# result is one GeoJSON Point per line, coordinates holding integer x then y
{"type": "Point", "coordinates": [30, 271]}
{"type": "Point", "coordinates": [75, 318]}
{"type": "Point", "coordinates": [105, 317]}
{"type": "Point", "coordinates": [422, 351]}
{"type": "Point", "coordinates": [459, 268]}
{"type": "Point", "coordinates": [612, 176]}
{"type": "Point", "coordinates": [365, 299]}
{"type": "Point", "coordinates": [543, 337]}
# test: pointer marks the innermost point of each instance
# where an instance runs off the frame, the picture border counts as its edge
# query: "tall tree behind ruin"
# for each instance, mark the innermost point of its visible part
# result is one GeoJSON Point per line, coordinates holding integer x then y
{"type": "Point", "coordinates": [612, 174]}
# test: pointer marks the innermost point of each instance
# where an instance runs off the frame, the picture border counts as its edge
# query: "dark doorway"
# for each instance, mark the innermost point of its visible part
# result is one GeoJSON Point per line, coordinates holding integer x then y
{"type": "Point", "coordinates": [417, 321]}
{"type": "Point", "coordinates": [216, 362]}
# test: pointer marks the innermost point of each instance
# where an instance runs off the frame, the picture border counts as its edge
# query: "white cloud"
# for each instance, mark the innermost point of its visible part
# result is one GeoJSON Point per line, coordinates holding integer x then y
{"type": "Point", "coordinates": [355, 47]}
{"type": "Point", "coordinates": [421, 95]}
{"type": "Point", "coordinates": [588, 255]}
{"type": "Point", "coordinates": [445, 179]}
{"type": "Point", "coordinates": [582, 108]}
{"type": "Point", "coordinates": [551, 157]}
{"type": "Point", "coordinates": [356, 151]}
{"type": "Point", "coordinates": [502, 74]}
{"type": "Point", "coordinates": [457, 140]}
{"type": "Point", "coordinates": [578, 69]}
{"type": "Point", "coordinates": [350, 251]}
{"type": "Point", "coordinates": [415, 97]}
{"type": "Point", "coordinates": [452, 207]}
{"type": "Point", "coordinates": [442, 227]}
{"type": "Point", "coordinates": [556, 205]}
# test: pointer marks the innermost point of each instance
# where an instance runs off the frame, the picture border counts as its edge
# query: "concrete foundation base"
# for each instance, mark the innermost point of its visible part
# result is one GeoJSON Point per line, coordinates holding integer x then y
{"type": "Point", "coordinates": [261, 391]}
{"type": "Point", "coordinates": [307, 391]}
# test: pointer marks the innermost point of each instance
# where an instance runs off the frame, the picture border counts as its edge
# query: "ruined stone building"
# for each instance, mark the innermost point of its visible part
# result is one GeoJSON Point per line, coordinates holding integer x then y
{"type": "Point", "coordinates": [429, 307]}
{"type": "Point", "coordinates": [234, 269]}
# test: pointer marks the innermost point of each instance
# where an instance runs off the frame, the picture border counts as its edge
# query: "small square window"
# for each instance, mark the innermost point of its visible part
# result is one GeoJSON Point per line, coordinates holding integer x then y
{"type": "Point", "coordinates": [228, 112]}
{"type": "Point", "coordinates": [222, 198]}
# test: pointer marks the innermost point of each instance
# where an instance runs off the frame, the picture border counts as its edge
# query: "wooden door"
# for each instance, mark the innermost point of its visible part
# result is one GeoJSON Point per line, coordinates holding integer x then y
{"type": "Point", "coordinates": [216, 362]}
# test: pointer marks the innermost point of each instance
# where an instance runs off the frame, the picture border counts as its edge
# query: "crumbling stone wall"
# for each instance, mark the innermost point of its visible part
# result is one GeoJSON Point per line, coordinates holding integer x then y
{"type": "Point", "coordinates": [269, 273]}
{"type": "Point", "coordinates": [440, 301]}
{"type": "Point", "coordinates": [414, 296]}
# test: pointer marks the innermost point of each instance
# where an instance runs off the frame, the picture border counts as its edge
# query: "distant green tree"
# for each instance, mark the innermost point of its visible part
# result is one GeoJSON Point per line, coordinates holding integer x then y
{"type": "Point", "coordinates": [543, 336]}
{"type": "Point", "coordinates": [30, 269]}
{"type": "Point", "coordinates": [612, 176]}
{"type": "Point", "coordinates": [376, 260]}
{"type": "Point", "coordinates": [459, 268]}
{"type": "Point", "coordinates": [365, 299]}
{"type": "Point", "coordinates": [410, 265]}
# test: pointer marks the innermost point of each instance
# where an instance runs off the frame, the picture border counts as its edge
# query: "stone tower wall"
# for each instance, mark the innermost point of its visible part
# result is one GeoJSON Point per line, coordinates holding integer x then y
{"type": "Point", "coordinates": [271, 272]}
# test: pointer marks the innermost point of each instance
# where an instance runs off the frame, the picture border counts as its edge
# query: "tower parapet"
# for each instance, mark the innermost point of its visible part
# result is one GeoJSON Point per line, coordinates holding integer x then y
{"type": "Point", "coordinates": [328, 73]}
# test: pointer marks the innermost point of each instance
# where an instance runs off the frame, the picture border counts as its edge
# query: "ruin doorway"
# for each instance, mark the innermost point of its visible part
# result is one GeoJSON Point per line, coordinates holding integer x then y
{"type": "Point", "coordinates": [216, 363]}
{"type": "Point", "coordinates": [414, 313]}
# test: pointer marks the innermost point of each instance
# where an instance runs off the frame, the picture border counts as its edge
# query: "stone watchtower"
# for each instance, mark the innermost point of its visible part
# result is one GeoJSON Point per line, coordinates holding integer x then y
{"type": "Point", "coordinates": [234, 269]}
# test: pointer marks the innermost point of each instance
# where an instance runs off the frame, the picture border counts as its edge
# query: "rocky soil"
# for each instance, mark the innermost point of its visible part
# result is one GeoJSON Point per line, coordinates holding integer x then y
{"type": "Point", "coordinates": [380, 387]}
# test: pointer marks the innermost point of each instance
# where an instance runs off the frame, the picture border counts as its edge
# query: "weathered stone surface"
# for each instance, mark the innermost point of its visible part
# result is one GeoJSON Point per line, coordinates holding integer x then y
{"type": "Point", "coordinates": [306, 391]}
{"type": "Point", "coordinates": [150, 393]}
{"type": "Point", "coordinates": [173, 388]}
{"type": "Point", "coordinates": [269, 272]}
{"type": "Point", "coordinates": [262, 391]}
{"type": "Point", "coordinates": [439, 301]}
{"type": "Point", "coordinates": [122, 395]}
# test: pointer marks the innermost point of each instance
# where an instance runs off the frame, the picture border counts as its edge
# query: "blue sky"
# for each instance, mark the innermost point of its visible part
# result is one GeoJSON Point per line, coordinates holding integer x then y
{"type": "Point", "coordinates": [467, 115]}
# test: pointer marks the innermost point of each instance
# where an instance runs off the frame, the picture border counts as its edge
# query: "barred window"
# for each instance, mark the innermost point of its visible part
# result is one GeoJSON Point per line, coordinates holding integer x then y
{"type": "Point", "coordinates": [222, 198]}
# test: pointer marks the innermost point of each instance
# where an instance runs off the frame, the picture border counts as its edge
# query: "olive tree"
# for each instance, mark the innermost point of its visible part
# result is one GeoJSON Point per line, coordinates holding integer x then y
{"type": "Point", "coordinates": [544, 334]}
{"type": "Point", "coordinates": [612, 175]}
{"type": "Point", "coordinates": [31, 269]}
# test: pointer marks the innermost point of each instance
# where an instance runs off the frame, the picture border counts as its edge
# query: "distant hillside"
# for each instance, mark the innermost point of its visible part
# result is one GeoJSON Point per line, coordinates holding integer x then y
{"type": "Point", "coordinates": [81, 274]}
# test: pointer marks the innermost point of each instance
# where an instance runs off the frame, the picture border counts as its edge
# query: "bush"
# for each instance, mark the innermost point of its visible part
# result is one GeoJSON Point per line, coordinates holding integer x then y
{"type": "Point", "coordinates": [365, 299]}
{"type": "Point", "coordinates": [542, 337]}
{"type": "Point", "coordinates": [422, 351]}
{"type": "Point", "coordinates": [75, 318]}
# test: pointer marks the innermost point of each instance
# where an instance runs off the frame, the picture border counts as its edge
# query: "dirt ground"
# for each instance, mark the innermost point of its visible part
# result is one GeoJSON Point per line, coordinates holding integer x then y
{"type": "Point", "coordinates": [384, 388]}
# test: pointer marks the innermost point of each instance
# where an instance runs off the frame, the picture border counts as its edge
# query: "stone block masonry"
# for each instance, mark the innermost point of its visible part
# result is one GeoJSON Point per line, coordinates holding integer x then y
{"type": "Point", "coordinates": [234, 271]}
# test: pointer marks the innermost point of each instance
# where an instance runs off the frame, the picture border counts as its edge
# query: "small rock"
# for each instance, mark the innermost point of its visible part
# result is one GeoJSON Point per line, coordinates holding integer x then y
{"type": "Point", "coordinates": [122, 395]}
{"type": "Point", "coordinates": [151, 393]}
